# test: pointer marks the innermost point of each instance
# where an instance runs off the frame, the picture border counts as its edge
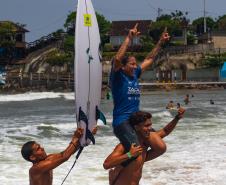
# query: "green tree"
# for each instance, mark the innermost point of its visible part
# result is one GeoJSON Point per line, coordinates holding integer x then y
{"type": "Point", "coordinates": [199, 24]}
{"type": "Point", "coordinates": [174, 22]}
{"type": "Point", "coordinates": [156, 28]}
{"type": "Point", "coordinates": [7, 38]}
{"type": "Point", "coordinates": [7, 33]}
{"type": "Point", "coordinates": [69, 43]}
{"type": "Point", "coordinates": [147, 43]}
{"type": "Point", "coordinates": [221, 23]}
{"type": "Point", "coordinates": [70, 23]}
{"type": "Point", "coordinates": [104, 26]}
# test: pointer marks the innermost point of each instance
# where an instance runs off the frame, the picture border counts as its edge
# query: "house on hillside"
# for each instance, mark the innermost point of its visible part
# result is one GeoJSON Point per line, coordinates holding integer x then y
{"type": "Point", "coordinates": [12, 40]}
{"type": "Point", "coordinates": [120, 29]}
{"type": "Point", "coordinates": [219, 39]}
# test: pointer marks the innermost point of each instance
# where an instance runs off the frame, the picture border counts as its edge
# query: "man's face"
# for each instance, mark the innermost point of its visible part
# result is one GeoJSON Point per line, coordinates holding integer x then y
{"type": "Point", "coordinates": [38, 153]}
{"type": "Point", "coordinates": [144, 128]}
{"type": "Point", "coordinates": [130, 66]}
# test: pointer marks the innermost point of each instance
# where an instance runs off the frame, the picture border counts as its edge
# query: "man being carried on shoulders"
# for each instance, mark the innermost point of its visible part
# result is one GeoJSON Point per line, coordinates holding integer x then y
{"type": "Point", "coordinates": [131, 173]}
{"type": "Point", "coordinates": [124, 81]}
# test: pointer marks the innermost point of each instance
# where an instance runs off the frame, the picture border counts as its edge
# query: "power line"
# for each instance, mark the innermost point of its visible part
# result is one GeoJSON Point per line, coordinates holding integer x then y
{"type": "Point", "coordinates": [151, 6]}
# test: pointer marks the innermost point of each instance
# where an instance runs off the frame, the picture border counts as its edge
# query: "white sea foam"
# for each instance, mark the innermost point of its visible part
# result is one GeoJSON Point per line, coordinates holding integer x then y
{"type": "Point", "coordinates": [195, 149]}
{"type": "Point", "coordinates": [35, 96]}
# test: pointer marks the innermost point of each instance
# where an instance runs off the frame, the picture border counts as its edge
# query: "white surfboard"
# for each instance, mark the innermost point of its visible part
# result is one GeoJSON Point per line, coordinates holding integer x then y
{"type": "Point", "coordinates": [88, 69]}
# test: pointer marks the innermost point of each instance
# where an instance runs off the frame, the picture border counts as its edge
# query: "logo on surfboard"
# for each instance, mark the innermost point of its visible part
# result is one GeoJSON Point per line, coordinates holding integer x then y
{"type": "Point", "coordinates": [87, 20]}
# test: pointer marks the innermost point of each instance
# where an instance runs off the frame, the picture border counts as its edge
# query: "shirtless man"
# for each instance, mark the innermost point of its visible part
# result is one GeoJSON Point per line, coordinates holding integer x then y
{"type": "Point", "coordinates": [41, 173]}
{"type": "Point", "coordinates": [131, 174]}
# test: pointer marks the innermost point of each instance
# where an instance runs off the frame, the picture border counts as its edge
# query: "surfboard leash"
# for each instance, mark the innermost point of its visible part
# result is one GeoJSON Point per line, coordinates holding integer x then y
{"type": "Point", "coordinates": [76, 158]}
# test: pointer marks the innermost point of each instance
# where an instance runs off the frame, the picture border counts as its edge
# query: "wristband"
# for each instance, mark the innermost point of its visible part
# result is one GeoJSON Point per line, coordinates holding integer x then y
{"type": "Point", "coordinates": [129, 155]}
{"type": "Point", "coordinates": [177, 117]}
{"type": "Point", "coordinates": [72, 144]}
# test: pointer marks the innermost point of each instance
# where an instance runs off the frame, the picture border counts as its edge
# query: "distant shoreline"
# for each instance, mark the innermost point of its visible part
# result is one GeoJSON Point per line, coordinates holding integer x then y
{"type": "Point", "coordinates": [7, 89]}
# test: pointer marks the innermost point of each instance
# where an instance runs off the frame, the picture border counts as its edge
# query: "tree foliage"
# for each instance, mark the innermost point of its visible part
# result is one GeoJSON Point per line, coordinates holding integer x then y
{"type": "Point", "coordinates": [7, 33]}
{"type": "Point", "coordinates": [199, 24]}
{"type": "Point", "coordinates": [214, 60]}
{"type": "Point", "coordinates": [174, 23]}
{"type": "Point", "coordinates": [221, 23]}
{"type": "Point", "coordinates": [58, 58]}
{"type": "Point", "coordinates": [104, 26]}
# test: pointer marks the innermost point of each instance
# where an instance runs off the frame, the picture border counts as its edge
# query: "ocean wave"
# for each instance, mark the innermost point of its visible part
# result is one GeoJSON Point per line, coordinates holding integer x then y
{"type": "Point", "coordinates": [30, 96]}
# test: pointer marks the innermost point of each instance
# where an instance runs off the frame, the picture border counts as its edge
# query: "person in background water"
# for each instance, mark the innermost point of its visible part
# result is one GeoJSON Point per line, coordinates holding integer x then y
{"type": "Point", "coordinates": [132, 173]}
{"type": "Point", "coordinates": [211, 102]}
{"type": "Point", "coordinates": [186, 99]}
{"type": "Point", "coordinates": [125, 87]}
{"type": "Point", "coordinates": [41, 172]}
{"type": "Point", "coordinates": [170, 105]}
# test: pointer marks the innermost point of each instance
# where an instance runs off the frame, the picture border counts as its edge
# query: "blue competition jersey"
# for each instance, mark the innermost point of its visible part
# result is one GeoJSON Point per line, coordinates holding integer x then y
{"type": "Point", "coordinates": [126, 94]}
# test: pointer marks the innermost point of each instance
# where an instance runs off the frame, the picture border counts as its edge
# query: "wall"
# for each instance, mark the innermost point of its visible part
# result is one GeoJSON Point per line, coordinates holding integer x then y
{"type": "Point", "coordinates": [219, 41]}
{"type": "Point", "coordinates": [210, 74]}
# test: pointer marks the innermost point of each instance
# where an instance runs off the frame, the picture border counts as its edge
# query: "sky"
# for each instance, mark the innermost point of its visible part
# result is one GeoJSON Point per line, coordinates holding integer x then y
{"type": "Point", "coordinates": [45, 16]}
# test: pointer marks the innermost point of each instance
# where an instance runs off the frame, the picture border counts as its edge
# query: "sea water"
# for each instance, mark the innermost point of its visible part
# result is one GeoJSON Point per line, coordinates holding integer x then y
{"type": "Point", "coordinates": [196, 149]}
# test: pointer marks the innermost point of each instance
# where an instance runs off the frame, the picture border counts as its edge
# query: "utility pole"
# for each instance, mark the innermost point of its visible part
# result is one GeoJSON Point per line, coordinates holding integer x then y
{"type": "Point", "coordinates": [159, 12]}
{"type": "Point", "coordinates": [204, 1]}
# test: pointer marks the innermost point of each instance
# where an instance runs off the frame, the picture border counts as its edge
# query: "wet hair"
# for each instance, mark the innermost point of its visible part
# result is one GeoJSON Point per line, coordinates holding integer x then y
{"type": "Point", "coordinates": [26, 150]}
{"type": "Point", "coordinates": [125, 60]}
{"type": "Point", "coordinates": [139, 117]}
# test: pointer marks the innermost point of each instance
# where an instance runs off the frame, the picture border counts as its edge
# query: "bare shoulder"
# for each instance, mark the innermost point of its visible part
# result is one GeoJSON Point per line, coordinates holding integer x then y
{"type": "Point", "coordinates": [119, 148]}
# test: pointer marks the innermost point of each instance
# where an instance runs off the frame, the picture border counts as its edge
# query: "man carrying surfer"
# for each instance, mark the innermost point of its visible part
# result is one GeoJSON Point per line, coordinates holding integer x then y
{"type": "Point", "coordinates": [126, 91]}
{"type": "Point", "coordinates": [41, 173]}
{"type": "Point", "coordinates": [131, 174]}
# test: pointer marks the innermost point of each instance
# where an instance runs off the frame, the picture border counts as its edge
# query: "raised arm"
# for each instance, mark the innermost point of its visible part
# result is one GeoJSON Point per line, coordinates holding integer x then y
{"type": "Point", "coordinates": [154, 153]}
{"type": "Point", "coordinates": [151, 56]}
{"type": "Point", "coordinates": [123, 48]}
{"type": "Point", "coordinates": [171, 125]}
{"type": "Point", "coordinates": [118, 156]}
{"type": "Point", "coordinates": [54, 160]}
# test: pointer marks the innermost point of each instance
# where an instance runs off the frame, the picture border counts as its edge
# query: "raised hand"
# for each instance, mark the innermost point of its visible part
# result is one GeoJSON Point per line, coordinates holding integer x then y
{"type": "Point", "coordinates": [78, 133]}
{"type": "Point", "coordinates": [94, 131]}
{"type": "Point", "coordinates": [135, 150]}
{"type": "Point", "coordinates": [181, 112]}
{"type": "Point", "coordinates": [134, 32]}
{"type": "Point", "coordinates": [165, 36]}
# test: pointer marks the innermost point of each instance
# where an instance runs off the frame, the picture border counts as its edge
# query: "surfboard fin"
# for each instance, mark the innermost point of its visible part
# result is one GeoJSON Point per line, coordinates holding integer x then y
{"type": "Point", "coordinates": [82, 116]}
{"type": "Point", "coordinates": [90, 136]}
{"type": "Point", "coordinates": [100, 115]}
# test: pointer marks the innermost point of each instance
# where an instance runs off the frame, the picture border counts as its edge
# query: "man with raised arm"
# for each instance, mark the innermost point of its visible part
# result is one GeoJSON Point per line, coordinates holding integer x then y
{"type": "Point", "coordinates": [125, 88]}
{"type": "Point", "coordinates": [132, 173]}
{"type": "Point", "coordinates": [41, 172]}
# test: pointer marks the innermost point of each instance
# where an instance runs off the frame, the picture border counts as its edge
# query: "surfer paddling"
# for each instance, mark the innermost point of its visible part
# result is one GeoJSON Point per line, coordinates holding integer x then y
{"type": "Point", "coordinates": [131, 173]}
{"type": "Point", "coordinates": [41, 173]}
{"type": "Point", "coordinates": [125, 88]}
